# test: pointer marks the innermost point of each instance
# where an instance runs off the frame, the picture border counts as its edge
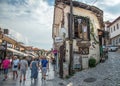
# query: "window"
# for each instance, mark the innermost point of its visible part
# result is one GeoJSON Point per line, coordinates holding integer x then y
{"type": "Point", "coordinates": [81, 27]}
{"type": "Point", "coordinates": [114, 28]}
{"type": "Point", "coordinates": [113, 42]}
{"type": "Point", "coordinates": [117, 26]}
{"type": "Point", "coordinates": [116, 41]}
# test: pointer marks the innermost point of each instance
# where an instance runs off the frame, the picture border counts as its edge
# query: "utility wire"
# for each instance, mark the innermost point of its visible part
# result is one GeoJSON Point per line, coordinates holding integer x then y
{"type": "Point", "coordinates": [94, 2]}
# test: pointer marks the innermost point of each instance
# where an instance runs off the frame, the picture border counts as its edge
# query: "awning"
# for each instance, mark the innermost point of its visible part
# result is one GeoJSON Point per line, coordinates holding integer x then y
{"type": "Point", "coordinates": [17, 52]}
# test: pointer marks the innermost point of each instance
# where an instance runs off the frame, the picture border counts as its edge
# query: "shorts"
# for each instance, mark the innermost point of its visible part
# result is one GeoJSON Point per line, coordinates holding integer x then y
{"type": "Point", "coordinates": [5, 71]}
{"type": "Point", "coordinates": [14, 68]}
{"type": "Point", "coordinates": [23, 72]}
{"type": "Point", "coordinates": [44, 70]}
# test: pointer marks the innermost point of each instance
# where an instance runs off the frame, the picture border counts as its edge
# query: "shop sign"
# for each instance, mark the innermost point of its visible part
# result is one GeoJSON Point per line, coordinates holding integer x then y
{"type": "Point", "coordinates": [58, 39]}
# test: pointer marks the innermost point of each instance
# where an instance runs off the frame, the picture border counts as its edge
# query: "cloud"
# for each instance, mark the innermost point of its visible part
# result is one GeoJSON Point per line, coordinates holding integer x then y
{"type": "Point", "coordinates": [110, 8]}
{"type": "Point", "coordinates": [101, 2]}
{"type": "Point", "coordinates": [109, 2]}
{"type": "Point", "coordinates": [33, 20]}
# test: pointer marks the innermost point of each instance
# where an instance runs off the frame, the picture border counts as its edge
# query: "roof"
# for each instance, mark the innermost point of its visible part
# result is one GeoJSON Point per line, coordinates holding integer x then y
{"type": "Point", "coordinates": [17, 52]}
{"type": "Point", "coordinates": [36, 49]}
{"type": "Point", "coordinates": [28, 47]}
{"type": "Point", "coordinates": [11, 40]}
{"type": "Point", "coordinates": [98, 12]}
{"type": "Point", "coordinates": [114, 21]}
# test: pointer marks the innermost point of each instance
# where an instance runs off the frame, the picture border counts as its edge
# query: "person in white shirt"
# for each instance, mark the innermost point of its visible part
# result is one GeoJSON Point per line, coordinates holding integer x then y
{"type": "Point", "coordinates": [23, 68]}
{"type": "Point", "coordinates": [15, 65]}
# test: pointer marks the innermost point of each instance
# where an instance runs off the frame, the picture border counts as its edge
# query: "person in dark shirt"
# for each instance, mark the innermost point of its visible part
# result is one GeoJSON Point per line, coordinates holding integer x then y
{"type": "Point", "coordinates": [44, 67]}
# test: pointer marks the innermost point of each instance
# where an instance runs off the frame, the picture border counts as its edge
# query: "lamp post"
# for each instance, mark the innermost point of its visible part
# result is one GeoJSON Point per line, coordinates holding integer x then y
{"type": "Point", "coordinates": [70, 39]}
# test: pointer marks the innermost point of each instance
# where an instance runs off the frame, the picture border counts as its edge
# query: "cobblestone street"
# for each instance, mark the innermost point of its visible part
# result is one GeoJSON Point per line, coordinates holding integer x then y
{"type": "Point", "coordinates": [104, 74]}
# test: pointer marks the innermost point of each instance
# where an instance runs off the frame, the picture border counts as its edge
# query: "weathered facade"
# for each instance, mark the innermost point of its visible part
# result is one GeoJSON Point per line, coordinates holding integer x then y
{"type": "Point", "coordinates": [86, 31]}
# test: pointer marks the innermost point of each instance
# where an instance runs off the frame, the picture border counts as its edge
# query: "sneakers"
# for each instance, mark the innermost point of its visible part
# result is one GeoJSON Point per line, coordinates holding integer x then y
{"type": "Point", "coordinates": [4, 79]}
{"type": "Point", "coordinates": [24, 79]}
{"type": "Point", "coordinates": [20, 80]}
{"type": "Point", "coordinates": [43, 78]}
{"type": "Point", "coordinates": [16, 76]}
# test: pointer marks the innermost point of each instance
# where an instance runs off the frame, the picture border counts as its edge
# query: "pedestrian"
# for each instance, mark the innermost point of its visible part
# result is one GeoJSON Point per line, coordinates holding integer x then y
{"type": "Point", "coordinates": [15, 65]}
{"type": "Point", "coordinates": [5, 65]}
{"type": "Point", "coordinates": [23, 68]}
{"type": "Point", "coordinates": [34, 69]}
{"type": "Point", "coordinates": [54, 63]}
{"type": "Point", "coordinates": [0, 66]}
{"type": "Point", "coordinates": [44, 67]}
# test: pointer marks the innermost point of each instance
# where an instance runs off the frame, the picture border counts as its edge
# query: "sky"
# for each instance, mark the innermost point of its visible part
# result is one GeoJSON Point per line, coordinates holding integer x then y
{"type": "Point", "coordinates": [30, 21]}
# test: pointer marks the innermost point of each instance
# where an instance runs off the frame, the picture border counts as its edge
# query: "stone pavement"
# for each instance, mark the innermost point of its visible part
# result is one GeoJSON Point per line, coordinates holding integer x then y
{"type": "Point", "coordinates": [104, 74]}
{"type": "Point", "coordinates": [50, 81]}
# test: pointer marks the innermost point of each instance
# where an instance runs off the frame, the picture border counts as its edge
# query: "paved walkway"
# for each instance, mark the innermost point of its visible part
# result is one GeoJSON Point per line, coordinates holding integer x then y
{"type": "Point", "coordinates": [104, 74]}
{"type": "Point", "coordinates": [49, 82]}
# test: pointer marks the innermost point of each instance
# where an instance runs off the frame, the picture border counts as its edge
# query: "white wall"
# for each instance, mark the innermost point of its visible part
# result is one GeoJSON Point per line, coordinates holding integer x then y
{"type": "Point", "coordinates": [117, 31]}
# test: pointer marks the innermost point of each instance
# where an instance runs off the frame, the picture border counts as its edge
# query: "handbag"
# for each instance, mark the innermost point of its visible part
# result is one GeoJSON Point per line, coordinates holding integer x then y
{"type": "Point", "coordinates": [15, 66]}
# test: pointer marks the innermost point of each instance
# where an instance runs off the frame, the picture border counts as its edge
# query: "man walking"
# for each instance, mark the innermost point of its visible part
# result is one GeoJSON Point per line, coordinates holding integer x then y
{"type": "Point", "coordinates": [44, 67]}
{"type": "Point", "coordinates": [23, 68]}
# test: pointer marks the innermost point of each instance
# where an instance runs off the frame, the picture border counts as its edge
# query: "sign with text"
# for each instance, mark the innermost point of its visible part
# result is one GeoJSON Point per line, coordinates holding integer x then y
{"type": "Point", "coordinates": [58, 39]}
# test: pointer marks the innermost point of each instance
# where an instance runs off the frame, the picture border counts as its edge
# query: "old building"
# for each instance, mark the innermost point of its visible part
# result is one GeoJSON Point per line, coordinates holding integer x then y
{"type": "Point", "coordinates": [86, 33]}
{"type": "Point", "coordinates": [9, 46]}
{"type": "Point", "coordinates": [106, 32]}
{"type": "Point", "coordinates": [114, 32]}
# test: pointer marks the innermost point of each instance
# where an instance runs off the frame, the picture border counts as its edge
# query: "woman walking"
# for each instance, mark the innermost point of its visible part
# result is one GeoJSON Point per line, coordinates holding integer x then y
{"type": "Point", "coordinates": [34, 69]}
{"type": "Point", "coordinates": [15, 65]}
{"type": "Point", "coordinates": [5, 65]}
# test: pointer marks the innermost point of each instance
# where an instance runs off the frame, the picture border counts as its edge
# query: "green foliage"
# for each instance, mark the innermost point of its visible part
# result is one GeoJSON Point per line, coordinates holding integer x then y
{"type": "Point", "coordinates": [73, 72]}
{"type": "Point", "coordinates": [92, 62]}
{"type": "Point", "coordinates": [95, 40]}
{"type": "Point", "coordinates": [92, 33]}
{"type": "Point", "coordinates": [92, 28]}
{"type": "Point", "coordinates": [67, 76]}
